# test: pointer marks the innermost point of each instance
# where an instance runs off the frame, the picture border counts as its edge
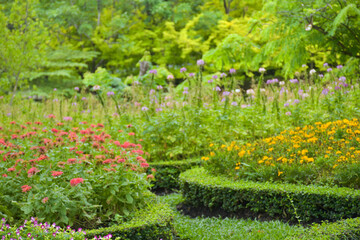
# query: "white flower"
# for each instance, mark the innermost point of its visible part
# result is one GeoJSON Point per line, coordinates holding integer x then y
{"type": "Point", "coordinates": [308, 27]}
{"type": "Point", "coordinates": [262, 90]}
{"type": "Point", "coordinates": [96, 87]}
{"type": "Point", "coordinates": [250, 92]}
{"type": "Point", "coordinates": [237, 90]}
{"type": "Point", "coordinates": [281, 83]}
{"type": "Point", "coordinates": [312, 71]}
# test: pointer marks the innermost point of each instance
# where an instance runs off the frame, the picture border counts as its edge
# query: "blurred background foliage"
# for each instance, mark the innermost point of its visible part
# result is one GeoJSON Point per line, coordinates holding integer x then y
{"type": "Point", "coordinates": [55, 43]}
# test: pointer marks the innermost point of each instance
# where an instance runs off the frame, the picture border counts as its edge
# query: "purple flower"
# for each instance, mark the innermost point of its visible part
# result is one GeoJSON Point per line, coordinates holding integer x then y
{"type": "Point", "coordinates": [137, 82]}
{"type": "Point", "coordinates": [158, 110]}
{"type": "Point", "coordinates": [222, 75]}
{"type": "Point", "coordinates": [325, 91]}
{"type": "Point", "coordinates": [170, 77]}
{"type": "Point", "coordinates": [218, 89]}
{"type": "Point", "coordinates": [294, 80]}
{"type": "Point", "coordinates": [286, 104]}
{"type": "Point", "coordinates": [296, 101]}
{"type": "Point", "coordinates": [144, 109]}
{"type": "Point", "coordinates": [321, 75]}
{"type": "Point", "coordinates": [210, 81]}
{"type": "Point", "coordinates": [110, 94]}
{"type": "Point", "coordinates": [342, 79]}
{"type": "Point", "coordinates": [76, 88]}
{"type": "Point", "coordinates": [262, 70]}
{"type": "Point", "coordinates": [55, 100]}
{"type": "Point", "coordinates": [232, 71]}
{"type": "Point", "coordinates": [325, 64]}
{"type": "Point", "coordinates": [153, 71]}
{"type": "Point", "coordinates": [8, 114]}
{"type": "Point", "coordinates": [269, 81]}
{"type": "Point", "coordinates": [329, 70]}
{"type": "Point", "coordinates": [288, 113]}
{"type": "Point", "coordinates": [275, 80]}
{"type": "Point", "coordinates": [191, 74]}
{"type": "Point", "coordinates": [226, 93]}
{"type": "Point", "coordinates": [84, 98]}
{"type": "Point", "coordinates": [159, 87]}
{"type": "Point", "coordinates": [300, 92]}
{"type": "Point", "coordinates": [200, 62]}
{"type": "Point", "coordinates": [152, 91]}
{"type": "Point", "coordinates": [215, 77]}
{"type": "Point", "coordinates": [337, 87]}
{"type": "Point", "coordinates": [234, 103]}
{"type": "Point", "coordinates": [67, 118]}
{"type": "Point", "coordinates": [186, 88]}
{"type": "Point", "coordinates": [185, 92]}
{"type": "Point", "coordinates": [55, 89]}
{"type": "Point", "coordinates": [96, 87]}
{"type": "Point", "coordinates": [339, 66]}
{"type": "Point", "coordinates": [182, 70]}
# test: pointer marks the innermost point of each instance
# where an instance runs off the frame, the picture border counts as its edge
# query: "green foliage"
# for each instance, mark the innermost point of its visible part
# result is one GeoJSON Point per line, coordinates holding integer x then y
{"type": "Point", "coordinates": [155, 221]}
{"type": "Point", "coordinates": [167, 173]}
{"type": "Point", "coordinates": [294, 202]}
{"type": "Point", "coordinates": [344, 229]}
{"type": "Point", "coordinates": [101, 77]}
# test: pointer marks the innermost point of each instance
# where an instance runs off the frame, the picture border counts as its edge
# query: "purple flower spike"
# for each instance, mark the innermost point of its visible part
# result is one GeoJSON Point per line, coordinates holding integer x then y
{"type": "Point", "coordinates": [232, 71]}
{"type": "Point", "coordinates": [200, 62]}
{"type": "Point", "coordinates": [182, 70]}
{"type": "Point", "coordinates": [153, 71]}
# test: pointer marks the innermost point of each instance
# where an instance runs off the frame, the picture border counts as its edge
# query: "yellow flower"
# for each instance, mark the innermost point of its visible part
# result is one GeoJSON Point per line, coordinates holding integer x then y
{"type": "Point", "coordinates": [241, 153]}
{"type": "Point", "coordinates": [212, 154]}
{"type": "Point", "coordinates": [270, 149]}
{"type": "Point", "coordinates": [279, 173]}
{"type": "Point", "coordinates": [335, 165]}
{"type": "Point", "coordinates": [237, 167]}
{"type": "Point", "coordinates": [211, 144]}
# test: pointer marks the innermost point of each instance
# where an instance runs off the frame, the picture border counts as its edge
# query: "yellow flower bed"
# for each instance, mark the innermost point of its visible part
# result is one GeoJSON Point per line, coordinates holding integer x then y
{"type": "Point", "coordinates": [319, 150]}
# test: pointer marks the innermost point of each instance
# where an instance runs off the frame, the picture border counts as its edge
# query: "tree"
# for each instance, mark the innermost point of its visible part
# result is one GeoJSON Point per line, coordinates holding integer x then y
{"type": "Point", "coordinates": [23, 38]}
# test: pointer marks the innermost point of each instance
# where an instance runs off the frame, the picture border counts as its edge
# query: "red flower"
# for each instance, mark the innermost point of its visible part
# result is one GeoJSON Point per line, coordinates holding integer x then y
{"type": "Point", "coordinates": [76, 181]}
{"type": "Point", "coordinates": [4, 175]}
{"type": "Point", "coordinates": [45, 199]}
{"type": "Point", "coordinates": [107, 161]}
{"type": "Point", "coordinates": [131, 134]}
{"type": "Point", "coordinates": [13, 122]}
{"type": "Point", "coordinates": [54, 130]}
{"type": "Point", "coordinates": [71, 160]}
{"type": "Point", "coordinates": [144, 164]}
{"type": "Point", "coordinates": [51, 116]}
{"type": "Point", "coordinates": [56, 173]}
{"type": "Point", "coordinates": [32, 171]}
{"type": "Point", "coordinates": [11, 169]}
{"type": "Point", "coordinates": [26, 188]}
{"type": "Point", "coordinates": [150, 176]}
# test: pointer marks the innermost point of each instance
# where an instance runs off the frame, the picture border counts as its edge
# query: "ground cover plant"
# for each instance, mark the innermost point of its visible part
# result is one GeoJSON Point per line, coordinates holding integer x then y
{"type": "Point", "coordinates": [322, 154]}
{"type": "Point", "coordinates": [82, 174]}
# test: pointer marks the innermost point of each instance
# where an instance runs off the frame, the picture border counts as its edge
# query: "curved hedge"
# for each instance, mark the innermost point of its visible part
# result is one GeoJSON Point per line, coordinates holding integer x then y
{"type": "Point", "coordinates": [153, 222]}
{"type": "Point", "coordinates": [344, 229]}
{"type": "Point", "coordinates": [167, 173]}
{"type": "Point", "coordinates": [289, 201]}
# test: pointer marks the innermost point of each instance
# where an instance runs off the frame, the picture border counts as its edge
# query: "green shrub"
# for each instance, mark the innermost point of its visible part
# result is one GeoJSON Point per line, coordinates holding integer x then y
{"type": "Point", "coordinates": [167, 173]}
{"type": "Point", "coordinates": [344, 229]}
{"type": "Point", "coordinates": [290, 201]}
{"type": "Point", "coordinates": [153, 222]}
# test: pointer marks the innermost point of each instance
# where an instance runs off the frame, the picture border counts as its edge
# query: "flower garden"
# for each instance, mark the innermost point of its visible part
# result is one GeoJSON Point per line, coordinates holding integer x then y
{"type": "Point", "coordinates": [84, 165]}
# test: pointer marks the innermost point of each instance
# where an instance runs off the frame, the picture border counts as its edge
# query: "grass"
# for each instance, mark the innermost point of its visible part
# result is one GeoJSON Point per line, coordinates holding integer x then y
{"type": "Point", "coordinates": [216, 228]}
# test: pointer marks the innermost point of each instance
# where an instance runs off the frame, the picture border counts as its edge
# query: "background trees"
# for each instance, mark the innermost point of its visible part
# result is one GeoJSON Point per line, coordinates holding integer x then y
{"type": "Point", "coordinates": [62, 39]}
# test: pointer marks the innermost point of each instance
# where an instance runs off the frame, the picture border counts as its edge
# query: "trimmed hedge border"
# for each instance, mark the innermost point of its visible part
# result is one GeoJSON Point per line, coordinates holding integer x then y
{"type": "Point", "coordinates": [153, 222]}
{"type": "Point", "coordinates": [344, 229]}
{"type": "Point", "coordinates": [167, 173]}
{"type": "Point", "coordinates": [289, 201]}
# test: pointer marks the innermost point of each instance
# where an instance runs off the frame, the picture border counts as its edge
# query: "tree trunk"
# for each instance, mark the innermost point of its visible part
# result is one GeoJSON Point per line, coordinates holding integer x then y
{"type": "Point", "coordinates": [15, 88]}
{"type": "Point", "coordinates": [99, 11]}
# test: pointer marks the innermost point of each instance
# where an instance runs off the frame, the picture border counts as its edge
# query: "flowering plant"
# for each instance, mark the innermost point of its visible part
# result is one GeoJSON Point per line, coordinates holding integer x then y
{"type": "Point", "coordinates": [67, 175]}
{"type": "Point", "coordinates": [324, 153]}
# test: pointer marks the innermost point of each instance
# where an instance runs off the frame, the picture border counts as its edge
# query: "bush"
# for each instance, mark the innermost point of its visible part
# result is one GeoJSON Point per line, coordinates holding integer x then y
{"type": "Point", "coordinates": [152, 222]}
{"type": "Point", "coordinates": [344, 229]}
{"type": "Point", "coordinates": [293, 202]}
{"type": "Point", "coordinates": [167, 173]}
{"type": "Point", "coordinates": [322, 154]}
{"type": "Point", "coordinates": [70, 176]}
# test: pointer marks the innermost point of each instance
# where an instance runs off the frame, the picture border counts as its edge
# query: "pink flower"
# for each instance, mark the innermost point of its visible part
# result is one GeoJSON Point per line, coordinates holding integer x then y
{"type": "Point", "coordinates": [131, 134]}
{"type": "Point", "coordinates": [56, 173]}
{"type": "Point", "coordinates": [76, 181]}
{"type": "Point", "coordinates": [26, 188]}
{"type": "Point", "coordinates": [32, 171]}
{"type": "Point", "coordinates": [144, 165]}
{"type": "Point", "coordinates": [45, 199]}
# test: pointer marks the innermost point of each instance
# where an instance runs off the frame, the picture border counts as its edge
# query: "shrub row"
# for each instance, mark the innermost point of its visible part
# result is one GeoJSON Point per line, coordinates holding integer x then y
{"type": "Point", "coordinates": [167, 173]}
{"type": "Point", "coordinates": [289, 201]}
{"type": "Point", "coordinates": [343, 229]}
{"type": "Point", "coordinates": [153, 222]}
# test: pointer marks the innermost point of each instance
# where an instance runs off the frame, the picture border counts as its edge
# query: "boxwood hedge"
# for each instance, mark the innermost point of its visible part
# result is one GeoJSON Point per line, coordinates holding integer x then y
{"type": "Point", "coordinates": [289, 201]}
{"type": "Point", "coordinates": [167, 173]}
{"type": "Point", "coordinates": [343, 229]}
{"type": "Point", "coordinates": [153, 222]}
